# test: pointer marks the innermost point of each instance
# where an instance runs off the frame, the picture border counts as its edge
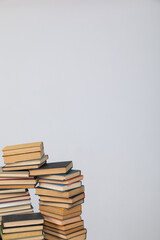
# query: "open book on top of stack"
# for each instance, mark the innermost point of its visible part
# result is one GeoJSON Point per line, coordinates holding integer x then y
{"type": "Point", "coordinates": [61, 196]}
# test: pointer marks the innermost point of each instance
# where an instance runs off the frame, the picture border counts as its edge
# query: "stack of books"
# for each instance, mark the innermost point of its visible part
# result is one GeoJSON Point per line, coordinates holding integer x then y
{"type": "Point", "coordinates": [61, 196]}
{"type": "Point", "coordinates": [14, 201]}
{"type": "Point", "coordinates": [14, 195]}
{"type": "Point", "coordinates": [24, 226]}
{"type": "Point", "coordinates": [24, 156]}
{"type": "Point", "coordinates": [15, 179]}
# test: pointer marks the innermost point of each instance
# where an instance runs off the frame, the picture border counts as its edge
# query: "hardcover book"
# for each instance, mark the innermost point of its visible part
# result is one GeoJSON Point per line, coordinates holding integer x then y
{"type": "Point", "coordinates": [52, 168]}
{"type": "Point", "coordinates": [22, 220]}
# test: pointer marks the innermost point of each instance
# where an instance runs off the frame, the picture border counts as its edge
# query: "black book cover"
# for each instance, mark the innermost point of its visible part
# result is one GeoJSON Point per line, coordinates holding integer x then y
{"type": "Point", "coordinates": [21, 217]}
{"type": "Point", "coordinates": [54, 165]}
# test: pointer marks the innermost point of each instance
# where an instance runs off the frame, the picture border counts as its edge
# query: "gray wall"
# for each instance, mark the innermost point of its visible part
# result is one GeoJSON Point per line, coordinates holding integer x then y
{"type": "Point", "coordinates": [84, 77]}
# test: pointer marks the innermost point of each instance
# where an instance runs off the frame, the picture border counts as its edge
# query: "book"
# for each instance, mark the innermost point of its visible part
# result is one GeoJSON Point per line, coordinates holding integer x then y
{"type": "Point", "coordinates": [18, 186]}
{"type": "Point", "coordinates": [15, 203]}
{"type": "Point", "coordinates": [61, 205]}
{"type": "Point", "coordinates": [24, 211]}
{"type": "Point", "coordinates": [64, 227]}
{"type": "Point", "coordinates": [61, 217]}
{"type": "Point", "coordinates": [51, 237]}
{"type": "Point", "coordinates": [19, 181]}
{"type": "Point", "coordinates": [66, 182]}
{"type": "Point", "coordinates": [23, 157]}
{"type": "Point", "coordinates": [60, 211]}
{"type": "Point", "coordinates": [53, 193]}
{"type": "Point", "coordinates": [68, 236]}
{"type": "Point", "coordinates": [8, 236]}
{"type": "Point", "coordinates": [61, 222]}
{"type": "Point", "coordinates": [52, 168]}
{"type": "Point", "coordinates": [18, 190]}
{"type": "Point", "coordinates": [15, 199]}
{"type": "Point", "coordinates": [22, 229]}
{"type": "Point", "coordinates": [13, 195]}
{"type": "Point", "coordinates": [63, 200]}
{"type": "Point", "coordinates": [61, 187]}
{"type": "Point", "coordinates": [20, 174]}
{"type": "Point", "coordinates": [64, 232]}
{"type": "Point", "coordinates": [23, 148]}
{"type": "Point", "coordinates": [23, 167]}
{"type": "Point", "coordinates": [15, 208]}
{"type": "Point", "coordinates": [22, 220]}
{"type": "Point", "coordinates": [63, 177]}
{"type": "Point", "coordinates": [29, 162]}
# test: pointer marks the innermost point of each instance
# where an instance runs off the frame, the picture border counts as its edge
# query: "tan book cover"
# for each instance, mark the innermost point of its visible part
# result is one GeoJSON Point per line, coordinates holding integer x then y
{"type": "Point", "coordinates": [24, 146]}
{"type": "Point", "coordinates": [23, 157]}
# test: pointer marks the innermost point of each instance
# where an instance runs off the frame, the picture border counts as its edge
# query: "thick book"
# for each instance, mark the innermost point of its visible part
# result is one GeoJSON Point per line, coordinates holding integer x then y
{"type": "Point", "coordinates": [61, 217]}
{"type": "Point", "coordinates": [23, 157]}
{"type": "Point", "coordinates": [22, 220]}
{"type": "Point", "coordinates": [66, 182]}
{"type": "Point", "coordinates": [61, 222]}
{"type": "Point", "coordinates": [52, 168]}
{"type": "Point", "coordinates": [22, 148]}
{"type": "Point", "coordinates": [22, 229]}
{"type": "Point", "coordinates": [53, 193]}
{"type": "Point", "coordinates": [60, 211]}
{"type": "Point", "coordinates": [20, 174]}
{"type": "Point", "coordinates": [51, 237]}
{"type": "Point", "coordinates": [63, 177]}
{"type": "Point", "coordinates": [9, 236]}
{"type": "Point", "coordinates": [61, 187]}
{"type": "Point", "coordinates": [63, 200]}
{"type": "Point", "coordinates": [61, 205]}
{"type": "Point", "coordinates": [64, 232]}
{"type": "Point", "coordinates": [29, 162]}
{"type": "Point", "coordinates": [64, 227]}
{"type": "Point", "coordinates": [68, 236]}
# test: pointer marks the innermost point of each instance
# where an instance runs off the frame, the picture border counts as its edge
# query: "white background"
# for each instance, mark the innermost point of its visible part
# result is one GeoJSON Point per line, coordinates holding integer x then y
{"type": "Point", "coordinates": [84, 77]}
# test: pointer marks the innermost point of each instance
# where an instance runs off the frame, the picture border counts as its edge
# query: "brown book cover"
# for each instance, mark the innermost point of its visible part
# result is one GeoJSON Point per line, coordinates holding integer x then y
{"type": "Point", "coordinates": [64, 227]}
{"type": "Point", "coordinates": [53, 193]}
{"type": "Point", "coordinates": [61, 217]}
{"type": "Point", "coordinates": [60, 205]}
{"type": "Point", "coordinates": [51, 237]}
{"type": "Point", "coordinates": [63, 200]}
{"type": "Point", "coordinates": [69, 236]}
{"type": "Point", "coordinates": [64, 232]}
{"type": "Point", "coordinates": [60, 211]}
